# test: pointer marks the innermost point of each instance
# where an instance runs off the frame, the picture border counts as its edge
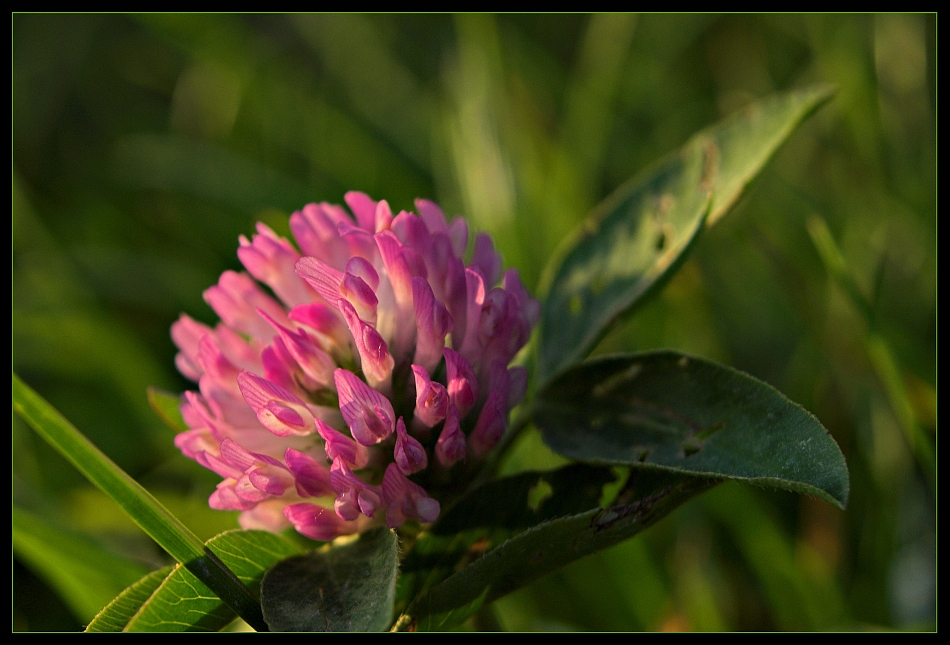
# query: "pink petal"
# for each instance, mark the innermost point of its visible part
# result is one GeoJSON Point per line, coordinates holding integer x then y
{"type": "Point", "coordinates": [214, 364]}
{"type": "Point", "coordinates": [324, 279]}
{"type": "Point", "coordinates": [277, 409]}
{"type": "Point", "coordinates": [271, 480]}
{"type": "Point", "coordinates": [433, 323]}
{"type": "Point", "coordinates": [307, 353]}
{"type": "Point", "coordinates": [346, 505]}
{"type": "Point", "coordinates": [409, 454]}
{"type": "Point", "coordinates": [241, 352]}
{"type": "Point", "coordinates": [490, 426]}
{"type": "Point", "coordinates": [432, 399]}
{"type": "Point", "coordinates": [474, 299]}
{"type": "Point", "coordinates": [458, 233]}
{"type": "Point", "coordinates": [375, 359]}
{"type": "Point", "coordinates": [270, 259]}
{"type": "Point", "coordinates": [412, 231]}
{"type": "Point", "coordinates": [194, 441]}
{"type": "Point", "coordinates": [236, 455]}
{"type": "Point", "coordinates": [447, 279]}
{"type": "Point", "coordinates": [432, 215]}
{"type": "Point", "coordinates": [384, 216]}
{"type": "Point", "coordinates": [236, 298]}
{"type": "Point", "coordinates": [214, 463]}
{"type": "Point", "coordinates": [498, 315]}
{"type": "Point", "coordinates": [361, 296]}
{"type": "Point", "coordinates": [225, 499]}
{"type": "Point", "coordinates": [368, 413]}
{"type": "Point", "coordinates": [502, 331]}
{"type": "Point", "coordinates": [528, 308]}
{"type": "Point", "coordinates": [364, 208]}
{"type": "Point", "coordinates": [280, 366]}
{"type": "Point", "coordinates": [364, 270]}
{"type": "Point", "coordinates": [355, 496]}
{"type": "Point", "coordinates": [325, 320]}
{"type": "Point", "coordinates": [315, 229]}
{"type": "Point", "coordinates": [312, 478]}
{"type": "Point", "coordinates": [316, 522]}
{"type": "Point", "coordinates": [398, 270]}
{"type": "Point", "coordinates": [359, 241]}
{"type": "Point", "coordinates": [186, 333]}
{"type": "Point", "coordinates": [265, 516]}
{"type": "Point", "coordinates": [406, 500]}
{"type": "Point", "coordinates": [450, 447]}
{"type": "Point", "coordinates": [246, 490]}
{"type": "Point", "coordinates": [339, 446]}
{"type": "Point", "coordinates": [486, 259]}
{"type": "Point", "coordinates": [462, 386]}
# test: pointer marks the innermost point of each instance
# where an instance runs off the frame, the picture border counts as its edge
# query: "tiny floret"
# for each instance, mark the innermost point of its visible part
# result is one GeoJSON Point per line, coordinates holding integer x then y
{"type": "Point", "coordinates": [355, 370]}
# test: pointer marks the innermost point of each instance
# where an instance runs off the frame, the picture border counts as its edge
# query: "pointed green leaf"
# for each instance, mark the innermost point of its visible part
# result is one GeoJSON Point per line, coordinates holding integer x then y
{"type": "Point", "coordinates": [183, 603]}
{"type": "Point", "coordinates": [167, 406]}
{"type": "Point", "coordinates": [116, 615]}
{"type": "Point", "coordinates": [638, 236]}
{"type": "Point", "coordinates": [493, 556]}
{"type": "Point", "coordinates": [84, 573]}
{"type": "Point", "coordinates": [346, 588]}
{"type": "Point", "coordinates": [153, 518]}
{"type": "Point", "coordinates": [688, 415]}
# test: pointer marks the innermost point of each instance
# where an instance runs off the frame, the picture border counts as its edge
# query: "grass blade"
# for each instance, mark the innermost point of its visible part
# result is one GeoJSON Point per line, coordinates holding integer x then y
{"type": "Point", "coordinates": [148, 513]}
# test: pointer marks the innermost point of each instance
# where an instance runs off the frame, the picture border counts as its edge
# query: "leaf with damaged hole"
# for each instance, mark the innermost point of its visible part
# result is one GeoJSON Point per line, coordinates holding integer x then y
{"type": "Point", "coordinates": [506, 560]}
{"type": "Point", "coordinates": [637, 238]}
{"type": "Point", "coordinates": [346, 588]}
{"type": "Point", "coordinates": [688, 415]}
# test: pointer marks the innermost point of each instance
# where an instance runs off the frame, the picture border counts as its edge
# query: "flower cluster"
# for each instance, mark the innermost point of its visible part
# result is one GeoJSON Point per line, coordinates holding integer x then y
{"type": "Point", "coordinates": [381, 364]}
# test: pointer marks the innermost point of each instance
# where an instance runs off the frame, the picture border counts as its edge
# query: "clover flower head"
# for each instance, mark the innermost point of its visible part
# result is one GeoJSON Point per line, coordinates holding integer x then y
{"type": "Point", "coordinates": [370, 371]}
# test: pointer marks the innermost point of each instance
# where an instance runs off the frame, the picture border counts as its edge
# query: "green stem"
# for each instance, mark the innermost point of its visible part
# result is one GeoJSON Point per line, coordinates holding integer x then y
{"type": "Point", "coordinates": [163, 527]}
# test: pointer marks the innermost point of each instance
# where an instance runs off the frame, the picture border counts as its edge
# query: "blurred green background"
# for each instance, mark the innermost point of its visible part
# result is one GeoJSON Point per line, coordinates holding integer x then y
{"type": "Point", "coordinates": [144, 145]}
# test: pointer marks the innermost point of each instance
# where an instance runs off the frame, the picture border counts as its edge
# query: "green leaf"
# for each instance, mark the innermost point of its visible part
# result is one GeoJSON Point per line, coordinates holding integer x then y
{"type": "Point", "coordinates": [637, 238]}
{"type": "Point", "coordinates": [148, 513]}
{"type": "Point", "coordinates": [491, 514]}
{"type": "Point", "coordinates": [167, 406]}
{"type": "Point", "coordinates": [498, 551]}
{"type": "Point", "coordinates": [347, 588]}
{"type": "Point", "coordinates": [513, 503]}
{"type": "Point", "coordinates": [184, 603]}
{"type": "Point", "coordinates": [84, 573]}
{"type": "Point", "coordinates": [116, 615]}
{"type": "Point", "coordinates": [688, 415]}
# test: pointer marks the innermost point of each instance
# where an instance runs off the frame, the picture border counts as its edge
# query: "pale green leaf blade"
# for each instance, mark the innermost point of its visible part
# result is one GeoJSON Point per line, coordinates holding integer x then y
{"type": "Point", "coordinates": [116, 615]}
{"type": "Point", "coordinates": [84, 573]}
{"type": "Point", "coordinates": [688, 415]}
{"type": "Point", "coordinates": [346, 588]}
{"type": "Point", "coordinates": [638, 236]}
{"type": "Point", "coordinates": [183, 603]}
